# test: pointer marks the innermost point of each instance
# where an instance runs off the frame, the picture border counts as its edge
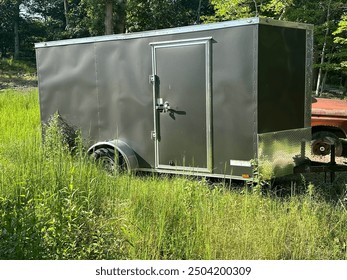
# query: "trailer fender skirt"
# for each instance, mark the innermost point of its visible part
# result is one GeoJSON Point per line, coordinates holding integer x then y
{"type": "Point", "coordinates": [122, 148]}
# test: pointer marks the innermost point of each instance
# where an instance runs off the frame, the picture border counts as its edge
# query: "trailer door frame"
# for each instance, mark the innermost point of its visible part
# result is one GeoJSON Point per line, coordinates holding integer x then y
{"type": "Point", "coordinates": [159, 105]}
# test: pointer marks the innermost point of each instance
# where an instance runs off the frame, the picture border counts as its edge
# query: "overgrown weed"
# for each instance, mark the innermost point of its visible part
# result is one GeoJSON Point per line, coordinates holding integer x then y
{"type": "Point", "coordinates": [58, 205]}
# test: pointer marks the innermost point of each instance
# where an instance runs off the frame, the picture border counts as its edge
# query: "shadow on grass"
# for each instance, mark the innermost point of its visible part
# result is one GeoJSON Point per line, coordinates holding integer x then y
{"type": "Point", "coordinates": [17, 82]}
{"type": "Point", "coordinates": [17, 74]}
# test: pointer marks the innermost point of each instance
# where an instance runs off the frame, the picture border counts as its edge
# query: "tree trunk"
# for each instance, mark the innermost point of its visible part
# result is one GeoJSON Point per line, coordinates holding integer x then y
{"type": "Point", "coordinates": [323, 50]}
{"type": "Point", "coordinates": [198, 13]}
{"type": "Point", "coordinates": [323, 82]}
{"type": "Point", "coordinates": [320, 69]}
{"type": "Point", "coordinates": [16, 31]}
{"type": "Point", "coordinates": [324, 77]}
{"type": "Point", "coordinates": [121, 17]}
{"type": "Point", "coordinates": [66, 13]}
{"type": "Point", "coordinates": [282, 14]}
{"type": "Point", "coordinates": [109, 17]}
{"type": "Point", "coordinates": [256, 8]}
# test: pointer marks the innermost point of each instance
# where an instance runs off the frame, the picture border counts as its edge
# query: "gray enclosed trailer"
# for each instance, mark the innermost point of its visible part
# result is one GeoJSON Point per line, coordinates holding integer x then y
{"type": "Point", "coordinates": [206, 99]}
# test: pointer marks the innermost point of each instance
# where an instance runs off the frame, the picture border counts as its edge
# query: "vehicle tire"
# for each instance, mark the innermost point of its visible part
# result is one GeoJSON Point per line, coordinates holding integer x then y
{"type": "Point", "coordinates": [322, 141]}
{"type": "Point", "coordinates": [108, 160]}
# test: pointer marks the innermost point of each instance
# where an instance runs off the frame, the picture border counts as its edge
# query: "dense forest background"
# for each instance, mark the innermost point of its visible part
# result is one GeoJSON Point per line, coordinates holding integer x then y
{"type": "Point", "coordinates": [24, 22]}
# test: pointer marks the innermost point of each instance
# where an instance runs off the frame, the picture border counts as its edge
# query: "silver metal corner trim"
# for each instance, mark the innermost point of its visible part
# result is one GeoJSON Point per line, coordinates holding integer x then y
{"type": "Point", "coordinates": [151, 33]}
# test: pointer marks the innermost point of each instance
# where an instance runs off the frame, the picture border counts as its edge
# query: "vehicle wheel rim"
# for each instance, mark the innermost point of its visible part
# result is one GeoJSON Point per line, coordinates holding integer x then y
{"type": "Point", "coordinates": [321, 147]}
{"type": "Point", "coordinates": [107, 163]}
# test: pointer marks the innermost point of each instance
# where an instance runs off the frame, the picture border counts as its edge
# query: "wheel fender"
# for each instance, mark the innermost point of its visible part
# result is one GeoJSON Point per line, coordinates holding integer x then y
{"type": "Point", "coordinates": [124, 150]}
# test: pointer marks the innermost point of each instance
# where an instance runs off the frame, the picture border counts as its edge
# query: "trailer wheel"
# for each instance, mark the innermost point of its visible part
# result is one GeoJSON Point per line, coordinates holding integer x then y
{"type": "Point", "coordinates": [322, 141]}
{"type": "Point", "coordinates": [111, 162]}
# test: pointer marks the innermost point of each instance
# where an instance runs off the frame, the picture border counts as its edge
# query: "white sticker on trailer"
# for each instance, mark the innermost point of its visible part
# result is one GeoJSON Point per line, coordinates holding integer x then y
{"type": "Point", "coordinates": [243, 163]}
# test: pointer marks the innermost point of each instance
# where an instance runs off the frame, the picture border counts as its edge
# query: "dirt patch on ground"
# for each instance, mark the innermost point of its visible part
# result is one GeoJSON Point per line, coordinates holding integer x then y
{"type": "Point", "coordinates": [326, 159]}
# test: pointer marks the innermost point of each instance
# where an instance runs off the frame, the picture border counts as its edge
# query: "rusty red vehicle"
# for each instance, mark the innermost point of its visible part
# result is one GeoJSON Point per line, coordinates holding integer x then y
{"type": "Point", "coordinates": [329, 125]}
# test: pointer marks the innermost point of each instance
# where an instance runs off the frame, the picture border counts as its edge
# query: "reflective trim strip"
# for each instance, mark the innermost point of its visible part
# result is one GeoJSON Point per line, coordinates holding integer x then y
{"type": "Point", "coordinates": [243, 163]}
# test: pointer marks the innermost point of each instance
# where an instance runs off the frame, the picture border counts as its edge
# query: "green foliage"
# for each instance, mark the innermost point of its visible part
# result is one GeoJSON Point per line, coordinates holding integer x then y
{"type": "Point", "coordinates": [158, 14]}
{"type": "Point", "coordinates": [51, 204]}
{"type": "Point", "coordinates": [341, 31]}
{"type": "Point", "coordinates": [235, 9]}
{"type": "Point", "coordinates": [231, 9]}
{"type": "Point", "coordinates": [87, 17]}
{"type": "Point", "coordinates": [341, 39]}
{"type": "Point", "coordinates": [7, 15]}
{"type": "Point", "coordinates": [276, 8]}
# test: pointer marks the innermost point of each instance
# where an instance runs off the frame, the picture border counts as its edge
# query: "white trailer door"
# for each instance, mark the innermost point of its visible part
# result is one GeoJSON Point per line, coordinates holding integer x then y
{"type": "Point", "coordinates": [182, 104]}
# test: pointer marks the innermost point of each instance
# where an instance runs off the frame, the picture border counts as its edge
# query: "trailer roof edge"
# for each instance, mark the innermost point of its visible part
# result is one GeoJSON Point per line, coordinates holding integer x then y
{"type": "Point", "coordinates": [175, 30]}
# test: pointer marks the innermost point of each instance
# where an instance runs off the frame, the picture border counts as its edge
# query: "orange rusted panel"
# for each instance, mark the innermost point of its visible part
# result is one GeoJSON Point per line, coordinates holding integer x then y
{"type": "Point", "coordinates": [329, 112]}
{"type": "Point", "coordinates": [329, 107]}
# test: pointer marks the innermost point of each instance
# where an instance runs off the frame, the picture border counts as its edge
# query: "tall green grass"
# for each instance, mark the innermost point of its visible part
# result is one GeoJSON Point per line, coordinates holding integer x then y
{"type": "Point", "coordinates": [54, 205]}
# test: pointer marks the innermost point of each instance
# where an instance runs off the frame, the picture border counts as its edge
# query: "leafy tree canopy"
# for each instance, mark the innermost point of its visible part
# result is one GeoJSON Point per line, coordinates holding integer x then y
{"type": "Point", "coordinates": [341, 39]}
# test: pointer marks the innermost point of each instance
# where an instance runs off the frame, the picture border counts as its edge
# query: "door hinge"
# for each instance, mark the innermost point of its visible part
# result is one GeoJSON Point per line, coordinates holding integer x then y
{"type": "Point", "coordinates": [153, 135]}
{"type": "Point", "coordinates": [152, 79]}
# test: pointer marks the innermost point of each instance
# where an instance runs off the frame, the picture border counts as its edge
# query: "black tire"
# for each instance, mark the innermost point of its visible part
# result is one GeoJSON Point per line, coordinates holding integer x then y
{"type": "Point", "coordinates": [322, 141]}
{"type": "Point", "coordinates": [108, 160]}
{"type": "Point", "coordinates": [105, 158]}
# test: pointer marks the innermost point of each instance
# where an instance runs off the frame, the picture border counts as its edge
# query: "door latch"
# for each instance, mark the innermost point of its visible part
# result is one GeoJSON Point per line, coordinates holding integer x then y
{"type": "Point", "coordinates": [162, 106]}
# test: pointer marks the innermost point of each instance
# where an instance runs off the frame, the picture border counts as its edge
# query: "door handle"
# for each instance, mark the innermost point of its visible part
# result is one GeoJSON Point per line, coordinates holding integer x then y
{"type": "Point", "coordinates": [162, 107]}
